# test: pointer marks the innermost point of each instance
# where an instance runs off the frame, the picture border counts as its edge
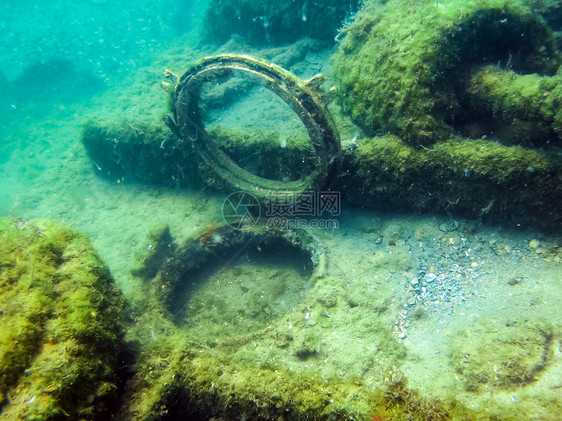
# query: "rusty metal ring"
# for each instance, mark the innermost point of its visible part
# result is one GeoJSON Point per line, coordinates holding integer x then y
{"type": "Point", "coordinates": [303, 96]}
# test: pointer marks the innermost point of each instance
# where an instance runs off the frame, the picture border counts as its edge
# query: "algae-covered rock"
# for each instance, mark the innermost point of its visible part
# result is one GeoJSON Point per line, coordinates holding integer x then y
{"type": "Point", "coordinates": [277, 22]}
{"type": "Point", "coordinates": [401, 66]}
{"type": "Point", "coordinates": [500, 354]}
{"type": "Point", "coordinates": [60, 324]}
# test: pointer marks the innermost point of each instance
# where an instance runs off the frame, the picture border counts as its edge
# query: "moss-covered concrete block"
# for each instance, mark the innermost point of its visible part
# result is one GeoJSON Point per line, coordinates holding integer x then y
{"type": "Point", "coordinates": [61, 328]}
{"type": "Point", "coordinates": [153, 154]}
{"type": "Point", "coordinates": [401, 66]}
{"type": "Point", "coordinates": [520, 108]}
{"type": "Point", "coordinates": [475, 178]}
{"type": "Point", "coordinates": [126, 151]}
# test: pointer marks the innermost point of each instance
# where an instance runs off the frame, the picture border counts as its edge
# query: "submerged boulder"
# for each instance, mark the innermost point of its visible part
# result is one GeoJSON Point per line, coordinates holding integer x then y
{"type": "Point", "coordinates": [60, 324]}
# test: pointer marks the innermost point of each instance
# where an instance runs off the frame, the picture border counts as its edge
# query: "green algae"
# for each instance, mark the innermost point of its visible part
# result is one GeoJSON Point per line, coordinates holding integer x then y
{"type": "Point", "coordinates": [528, 103]}
{"type": "Point", "coordinates": [213, 386]}
{"type": "Point", "coordinates": [138, 152]}
{"type": "Point", "coordinates": [476, 177]}
{"type": "Point", "coordinates": [399, 64]}
{"type": "Point", "coordinates": [61, 324]}
{"type": "Point", "coordinates": [266, 153]}
{"type": "Point", "coordinates": [399, 161]}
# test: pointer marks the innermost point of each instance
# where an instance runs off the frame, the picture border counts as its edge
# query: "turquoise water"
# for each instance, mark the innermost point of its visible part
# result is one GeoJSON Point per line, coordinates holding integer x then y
{"type": "Point", "coordinates": [445, 291]}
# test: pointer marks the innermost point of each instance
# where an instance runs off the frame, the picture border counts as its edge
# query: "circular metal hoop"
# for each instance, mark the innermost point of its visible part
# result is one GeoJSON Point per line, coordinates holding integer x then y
{"type": "Point", "coordinates": [303, 96]}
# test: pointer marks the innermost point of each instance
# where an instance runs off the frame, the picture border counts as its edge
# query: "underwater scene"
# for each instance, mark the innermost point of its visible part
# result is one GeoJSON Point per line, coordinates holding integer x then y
{"type": "Point", "coordinates": [281, 210]}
